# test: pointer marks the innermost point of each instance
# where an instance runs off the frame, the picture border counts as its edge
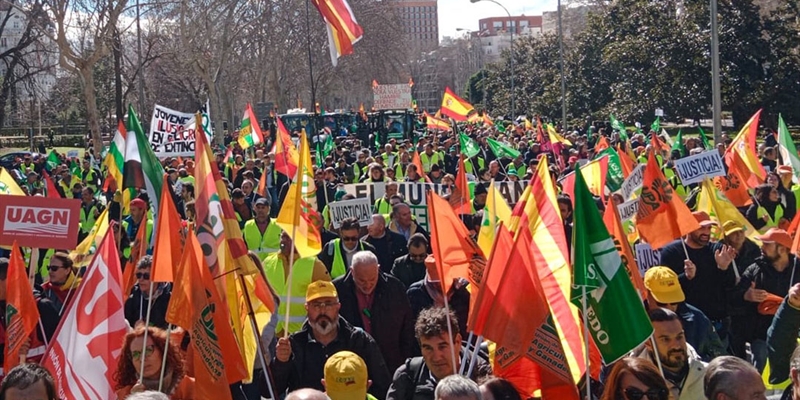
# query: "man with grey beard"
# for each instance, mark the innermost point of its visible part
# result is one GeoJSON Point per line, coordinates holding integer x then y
{"type": "Point", "coordinates": [300, 358]}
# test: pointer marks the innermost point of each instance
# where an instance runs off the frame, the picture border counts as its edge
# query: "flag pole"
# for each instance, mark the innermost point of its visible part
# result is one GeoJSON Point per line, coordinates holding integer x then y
{"type": "Point", "coordinates": [163, 358]}
{"type": "Point", "coordinates": [474, 355]}
{"type": "Point", "coordinates": [438, 259]}
{"type": "Point", "coordinates": [465, 355]}
{"type": "Point", "coordinates": [299, 182]}
{"type": "Point", "coordinates": [259, 346]}
{"type": "Point", "coordinates": [655, 354]}
{"type": "Point", "coordinates": [147, 322]}
{"type": "Point", "coordinates": [587, 339]}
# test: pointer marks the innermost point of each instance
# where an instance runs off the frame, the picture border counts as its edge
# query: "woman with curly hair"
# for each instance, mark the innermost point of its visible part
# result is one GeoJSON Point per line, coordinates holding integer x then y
{"type": "Point", "coordinates": [633, 379]}
{"type": "Point", "coordinates": [176, 385]}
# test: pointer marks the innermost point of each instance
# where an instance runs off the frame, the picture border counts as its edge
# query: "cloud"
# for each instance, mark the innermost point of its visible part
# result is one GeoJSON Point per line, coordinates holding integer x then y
{"type": "Point", "coordinates": [455, 14]}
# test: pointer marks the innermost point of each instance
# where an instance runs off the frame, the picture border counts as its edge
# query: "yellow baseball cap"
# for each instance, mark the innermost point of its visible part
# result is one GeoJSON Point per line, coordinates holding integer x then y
{"type": "Point", "coordinates": [346, 376]}
{"type": "Point", "coordinates": [320, 289]}
{"type": "Point", "coordinates": [732, 226]}
{"type": "Point", "coordinates": [663, 284]}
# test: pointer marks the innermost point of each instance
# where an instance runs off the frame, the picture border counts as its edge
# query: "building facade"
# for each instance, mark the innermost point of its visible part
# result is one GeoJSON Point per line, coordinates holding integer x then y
{"type": "Point", "coordinates": [420, 21]}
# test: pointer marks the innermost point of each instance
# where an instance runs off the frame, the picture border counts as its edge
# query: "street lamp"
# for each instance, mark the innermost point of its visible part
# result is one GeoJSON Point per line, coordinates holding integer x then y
{"type": "Point", "coordinates": [511, 31]}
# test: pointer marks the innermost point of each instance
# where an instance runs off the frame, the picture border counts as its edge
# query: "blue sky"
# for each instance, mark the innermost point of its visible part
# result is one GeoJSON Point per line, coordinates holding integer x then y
{"type": "Point", "coordinates": [455, 14]}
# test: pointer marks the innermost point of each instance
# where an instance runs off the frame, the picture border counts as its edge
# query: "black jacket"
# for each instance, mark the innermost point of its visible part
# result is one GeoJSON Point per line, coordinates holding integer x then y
{"type": "Point", "coordinates": [408, 271]}
{"type": "Point", "coordinates": [700, 332]}
{"type": "Point", "coordinates": [767, 278]}
{"type": "Point", "coordinates": [390, 316]}
{"type": "Point", "coordinates": [305, 368]}
{"type": "Point", "coordinates": [781, 339]}
{"type": "Point", "coordinates": [458, 302]}
{"type": "Point", "coordinates": [413, 380]}
{"type": "Point", "coordinates": [136, 308]}
{"type": "Point", "coordinates": [388, 248]}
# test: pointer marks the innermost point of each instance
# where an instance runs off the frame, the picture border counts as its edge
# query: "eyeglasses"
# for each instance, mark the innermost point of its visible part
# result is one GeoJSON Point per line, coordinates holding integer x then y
{"type": "Point", "coordinates": [320, 305]}
{"type": "Point", "coordinates": [349, 238]}
{"type": "Point", "coordinates": [137, 354]}
{"type": "Point", "coordinates": [54, 268]}
{"type": "Point", "coordinates": [143, 275]}
{"type": "Point", "coordinates": [633, 393]}
{"type": "Point", "coordinates": [418, 257]}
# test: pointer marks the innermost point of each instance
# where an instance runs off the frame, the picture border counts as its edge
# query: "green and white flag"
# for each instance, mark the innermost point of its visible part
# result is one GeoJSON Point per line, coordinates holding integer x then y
{"type": "Point", "coordinates": [620, 127]}
{"type": "Point", "coordinates": [787, 147]}
{"type": "Point", "coordinates": [617, 319]}
{"type": "Point", "coordinates": [501, 149]}
{"type": "Point", "coordinates": [468, 146]}
{"type": "Point", "coordinates": [614, 175]}
{"type": "Point", "coordinates": [53, 160]}
{"type": "Point", "coordinates": [142, 169]}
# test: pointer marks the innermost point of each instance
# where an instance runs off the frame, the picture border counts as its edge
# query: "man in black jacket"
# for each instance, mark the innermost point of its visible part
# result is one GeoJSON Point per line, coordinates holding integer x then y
{"type": "Point", "coordinates": [377, 303]}
{"type": "Point", "coordinates": [300, 358]}
{"type": "Point", "coordinates": [388, 245]}
{"type": "Point", "coordinates": [781, 339]}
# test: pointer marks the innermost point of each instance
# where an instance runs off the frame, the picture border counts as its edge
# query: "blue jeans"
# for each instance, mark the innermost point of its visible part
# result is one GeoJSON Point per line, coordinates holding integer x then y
{"type": "Point", "coordinates": [759, 349]}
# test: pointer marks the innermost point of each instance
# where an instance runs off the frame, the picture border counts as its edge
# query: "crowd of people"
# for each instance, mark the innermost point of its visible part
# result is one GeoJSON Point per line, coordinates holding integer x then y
{"type": "Point", "coordinates": [367, 316]}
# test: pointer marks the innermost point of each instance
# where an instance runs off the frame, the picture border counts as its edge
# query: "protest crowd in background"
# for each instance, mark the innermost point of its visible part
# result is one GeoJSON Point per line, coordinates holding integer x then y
{"type": "Point", "coordinates": [469, 261]}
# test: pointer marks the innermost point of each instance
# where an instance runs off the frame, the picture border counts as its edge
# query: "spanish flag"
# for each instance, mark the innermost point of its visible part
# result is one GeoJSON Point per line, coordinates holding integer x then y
{"type": "Point", "coordinates": [21, 313]}
{"type": "Point", "coordinates": [343, 29]}
{"type": "Point", "coordinates": [455, 107]}
{"type": "Point", "coordinates": [594, 173]}
{"type": "Point", "coordinates": [436, 124]}
{"type": "Point", "coordinates": [744, 145]}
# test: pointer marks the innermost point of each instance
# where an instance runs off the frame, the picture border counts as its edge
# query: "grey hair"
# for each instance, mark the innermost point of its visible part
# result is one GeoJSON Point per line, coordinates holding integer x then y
{"type": "Point", "coordinates": [455, 386]}
{"type": "Point", "coordinates": [307, 394]}
{"type": "Point", "coordinates": [363, 258]}
{"type": "Point", "coordinates": [148, 395]}
{"type": "Point", "coordinates": [722, 374]}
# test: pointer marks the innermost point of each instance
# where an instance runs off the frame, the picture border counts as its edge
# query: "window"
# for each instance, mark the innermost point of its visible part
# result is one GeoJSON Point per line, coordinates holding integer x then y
{"type": "Point", "coordinates": [497, 24]}
{"type": "Point", "coordinates": [3, 42]}
{"type": "Point", "coordinates": [523, 23]}
{"type": "Point", "coordinates": [483, 26]}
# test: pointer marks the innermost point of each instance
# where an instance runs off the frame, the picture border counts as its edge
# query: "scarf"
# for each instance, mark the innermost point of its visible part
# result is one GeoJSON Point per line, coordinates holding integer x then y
{"type": "Point", "coordinates": [167, 388]}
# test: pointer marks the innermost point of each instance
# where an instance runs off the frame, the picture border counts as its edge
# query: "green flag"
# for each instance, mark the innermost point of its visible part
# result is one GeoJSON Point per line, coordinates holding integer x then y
{"type": "Point", "coordinates": [620, 127]}
{"type": "Point", "coordinates": [656, 125]}
{"type": "Point", "coordinates": [327, 148]}
{"type": "Point", "coordinates": [319, 156]}
{"type": "Point", "coordinates": [787, 148]}
{"type": "Point", "coordinates": [617, 319]}
{"type": "Point", "coordinates": [52, 160]}
{"type": "Point", "coordinates": [468, 146]}
{"type": "Point", "coordinates": [500, 149]}
{"type": "Point", "coordinates": [678, 145]}
{"type": "Point", "coordinates": [614, 175]}
{"type": "Point", "coordinates": [706, 144]}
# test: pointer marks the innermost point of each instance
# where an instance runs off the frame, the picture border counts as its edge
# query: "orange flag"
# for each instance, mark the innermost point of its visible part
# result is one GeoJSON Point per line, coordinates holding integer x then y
{"type": "Point", "coordinates": [138, 250]}
{"type": "Point", "coordinates": [21, 312]}
{"type": "Point", "coordinates": [626, 161]}
{"type": "Point", "coordinates": [195, 306]}
{"type": "Point", "coordinates": [287, 158]}
{"type": "Point", "coordinates": [262, 185]}
{"type": "Point", "coordinates": [460, 198]}
{"type": "Point", "coordinates": [453, 247]}
{"type": "Point", "coordinates": [614, 225]}
{"type": "Point", "coordinates": [734, 185]}
{"type": "Point", "coordinates": [484, 294]}
{"type": "Point", "coordinates": [744, 145]}
{"type": "Point", "coordinates": [662, 215]}
{"type": "Point", "coordinates": [601, 144]}
{"type": "Point", "coordinates": [416, 161]}
{"type": "Point", "coordinates": [167, 251]}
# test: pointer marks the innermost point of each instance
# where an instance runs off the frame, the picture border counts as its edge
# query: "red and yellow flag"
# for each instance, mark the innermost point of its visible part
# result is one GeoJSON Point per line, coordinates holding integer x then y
{"type": "Point", "coordinates": [168, 246]}
{"type": "Point", "coordinates": [744, 145]}
{"type": "Point", "coordinates": [455, 107]}
{"type": "Point", "coordinates": [195, 306]}
{"type": "Point", "coordinates": [662, 215]}
{"type": "Point", "coordinates": [487, 120]}
{"type": "Point", "coordinates": [21, 313]}
{"type": "Point", "coordinates": [286, 156]}
{"type": "Point", "coordinates": [594, 173]}
{"type": "Point", "coordinates": [343, 29]}
{"type": "Point", "coordinates": [601, 144]}
{"type": "Point", "coordinates": [436, 123]}
{"type": "Point", "coordinates": [484, 293]}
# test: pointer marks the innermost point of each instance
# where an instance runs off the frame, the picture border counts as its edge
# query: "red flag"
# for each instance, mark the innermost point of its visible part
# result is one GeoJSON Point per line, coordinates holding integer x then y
{"type": "Point", "coordinates": [662, 216]}
{"type": "Point", "coordinates": [262, 185]}
{"type": "Point", "coordinates": [483, 294]}
{"type": "Point", "coordinates": [626, 162]}
{"type": "Point", "coordinates": [86, 346]}
{"type": "Point", "coordinates": [286, 156]}
{"type": "Point", "coordinates": [50, 187]}
{"type": "Point", "coordinates": [601, 144]}
{"type": "Point", "coordinates": [167, 250]}
{"type": "Point", "coordinates": [452, 245]}
{"type": "Point", "coordinates": [460, 198]}
{"type": "Point", "coordinates": [22, 315]}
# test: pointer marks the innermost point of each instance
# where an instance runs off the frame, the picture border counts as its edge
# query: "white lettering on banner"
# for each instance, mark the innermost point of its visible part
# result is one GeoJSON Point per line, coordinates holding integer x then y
{"type": "Point", "coordinates": [391, 97]}
{"type": "Point", "coordinates": [37, 220]}
{"type": "Point", "coordinates": [628, 209]}
{"type": "Point", "coordinates": [633, 182]}
{"type": "Point", "coordinates": [694, 169]}
{"type": "Point", "coordinates": [359, 208]}
{"type": "Point", "coordinates": [172, 133]}
{"type": "Point", "coordinates": [646, 257]}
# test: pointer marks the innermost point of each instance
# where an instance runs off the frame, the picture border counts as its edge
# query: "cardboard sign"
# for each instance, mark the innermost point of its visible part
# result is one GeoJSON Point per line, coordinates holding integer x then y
{"type": "Point", "coordinates": [694, 168]}
{"type": "Point", "coordinates": [646, 257]}
{"type": "Point", "coordinates": [392, 97]}
{"type": "Point", "coordinates": [628, 210]}
{"type": "Point", "coordinates": [72, 154]}
{"type": "Point", "coordinates": [172, 132]}
{"type": "Point", "coordinates": [35, 221]}
{"type": "Point", "coordinates": [358, 208]}
{"type": "Point", "coordinates": [633, 182]}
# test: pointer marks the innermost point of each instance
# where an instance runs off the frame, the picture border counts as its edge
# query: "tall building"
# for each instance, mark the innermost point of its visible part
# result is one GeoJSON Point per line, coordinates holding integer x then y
{"type": "Point", "coordinates": [494, 34]}
{"type": "Point", "coordinates": [420, 19]}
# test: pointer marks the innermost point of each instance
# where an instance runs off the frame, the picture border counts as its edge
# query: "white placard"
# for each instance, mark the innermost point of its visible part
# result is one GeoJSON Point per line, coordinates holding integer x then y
{"type": "Point", "coordinates": [358, 208]}
{"type": "Point", "coordinates": [172, 133]}
{"type": "Point", "coordinates": [633, 182]}
{"type": "Point", "coordinates": [392, 97]}
{"type": "Point", "coordinates": [694, 169]}
{"type": "Point", "coordinates": [646, 257]}
{"type": "Point", "coordinates": [628, 209]}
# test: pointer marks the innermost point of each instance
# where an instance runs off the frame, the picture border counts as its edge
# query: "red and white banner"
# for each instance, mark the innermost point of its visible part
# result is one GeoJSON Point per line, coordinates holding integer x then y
{"type": "Point", "coordinates": [86, 346]}
{"type": "Point", "coordinates": [35, 221]}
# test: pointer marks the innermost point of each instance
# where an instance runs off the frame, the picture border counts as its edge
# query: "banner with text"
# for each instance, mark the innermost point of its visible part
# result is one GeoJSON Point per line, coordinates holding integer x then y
{"type": "Point", "coordinates": [392, 97]}
{"type": "Point", "coordinates": [628, 210]}
{"type": "Point", "coordinates": [646, 257]}
{"type": "Point", "coordinates": [633, 182]}
{"type": "Point", "coordinates": [358, 208]}
{"type": "Point", "coordinates": [694, 168]}
{"type": "Point", "coordinates": [172, 132]}
{"type": "Point", "coordinates": [35, 220]}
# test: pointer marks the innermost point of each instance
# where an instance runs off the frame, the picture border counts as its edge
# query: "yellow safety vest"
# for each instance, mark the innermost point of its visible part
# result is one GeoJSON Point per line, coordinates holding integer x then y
{"type": "Point", "coordinates": [382, 206]}
{"type": "Point", "coordinates": [470, 168]}
{"type": "Point", "coordinates": [428, 161]}
{"type": "Point", "coordinates": [90, 180]}
{"type": "Point", "coordinates": [773, 220]}
{"type": "Point", "coordinates": [87, 219]}
{"type": "Point", "coordinates": [262, 245]}
{"type": "Point", "coordinates": [302, 272]}
{"type": "Point", "coordinates": [187, 179]}
{"type": "Point", "coordinates": [149, 232]}
{"type": "Point", "coordinates": [338, 269]}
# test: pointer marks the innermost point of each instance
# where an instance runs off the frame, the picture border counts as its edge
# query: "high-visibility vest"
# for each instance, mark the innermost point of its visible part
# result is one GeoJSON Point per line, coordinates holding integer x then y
{"type": "Point", "coordinates": [675, 182]}
{"type": "Point", "coordinates": [132, 235]}
{"type": "Point", "coordinates": [774, 219]}
{"type": "Point", "coordinates": [471, 168]}
{"type": "Point", "coordinates": [87, 218]}
{"type": "Point", "coordinates": [428, 161]}
{"type": "Point", "coordinates": [262, 245]}
{"type": "Point", "coordinates": [338, 268]}
{"type": "Point", "coordinates": [382, 206]}
{"type": "Point", "coordinates": [186, 179]}
{"type": "Point", "coordinates": [302, 272]}
{"type": "Point", "coordinates": [90, 178]}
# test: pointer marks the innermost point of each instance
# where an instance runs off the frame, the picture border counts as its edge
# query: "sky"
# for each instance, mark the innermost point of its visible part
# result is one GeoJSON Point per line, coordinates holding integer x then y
{"type": "Point", "coordinates": [454, 14]}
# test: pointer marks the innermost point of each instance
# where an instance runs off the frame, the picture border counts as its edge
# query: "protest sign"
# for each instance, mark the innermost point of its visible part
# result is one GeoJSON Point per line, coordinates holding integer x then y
{"type": "Point", "coordinates": [172, 132]}
{"type": "Point", "coordinates": [694, 168]}
{"type": "Point", "coordinates": [646, 257]}
{"type": "Point", "coordinates": [72, 154]}
{"type": "Point", "coordinates": [391, 97]}
{"type": "Point", "coordinates": [628, 210]}
{"type": "Point", "coordinates": [633, 182]}
{"type": "Point", "coordinates": [359, 208]}
{"type": "Point", "coordinates": [34, 221]}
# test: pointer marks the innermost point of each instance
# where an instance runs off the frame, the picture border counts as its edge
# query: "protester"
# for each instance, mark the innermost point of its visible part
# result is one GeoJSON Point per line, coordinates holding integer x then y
{"type": "Point", "coordinates": [729, 377]}
{"type": "Point", "coordinates": [493, 388]}
{"type": "Point", "coordinates": [338, 253]}
{"type": "Point", "coordinates": [307, 394]}
{"type": "Point", "coordinates": [427, 293]}
{"type": "Point", "coordinates": [457, 387]}
{"type": "Point", "coordinates": [140, 300]}
{"type": "Point", "coordinates": [63, 281]}
{"type": "Point", "coordinates": [388, 245]}
{"type": "Point", "coordinates": [410, 267]}
{"type": "Point", "coordinates": [346, 377]}
{"type": "Point", "coordinates": [133, 376]}
{"type": "Point", "coordinates": [262, 234]}
{"type": "Point", "coordinates": [633, 378]}
{"type": "Point", "coordinates": [403, 223]}
{"type": "Point", "coordinates": [300, 358]}
{"type": "Point", "coordinates": [28, 382]}
{"type": "Point", "coordinates": [377, 302]}
{"type": "Point", "coordinates": [781, 337]}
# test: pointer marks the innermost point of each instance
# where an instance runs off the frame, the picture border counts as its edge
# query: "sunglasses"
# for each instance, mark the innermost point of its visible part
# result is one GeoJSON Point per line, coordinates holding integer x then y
{"type": "Point", "coordinates": [633, 393]}
{"type": "Point", "coordinates": [143, 275]}
{"type": "Point", "coordinates": [137, 354]}
{"type": "Point", "coordinates": [666, 304]}
{"type": "Point", "coordinates": [419, 257]}
{"type": "Point", "coordinates": [54, 268]}
{"type": "Point", "coordinates": [349, 238]}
